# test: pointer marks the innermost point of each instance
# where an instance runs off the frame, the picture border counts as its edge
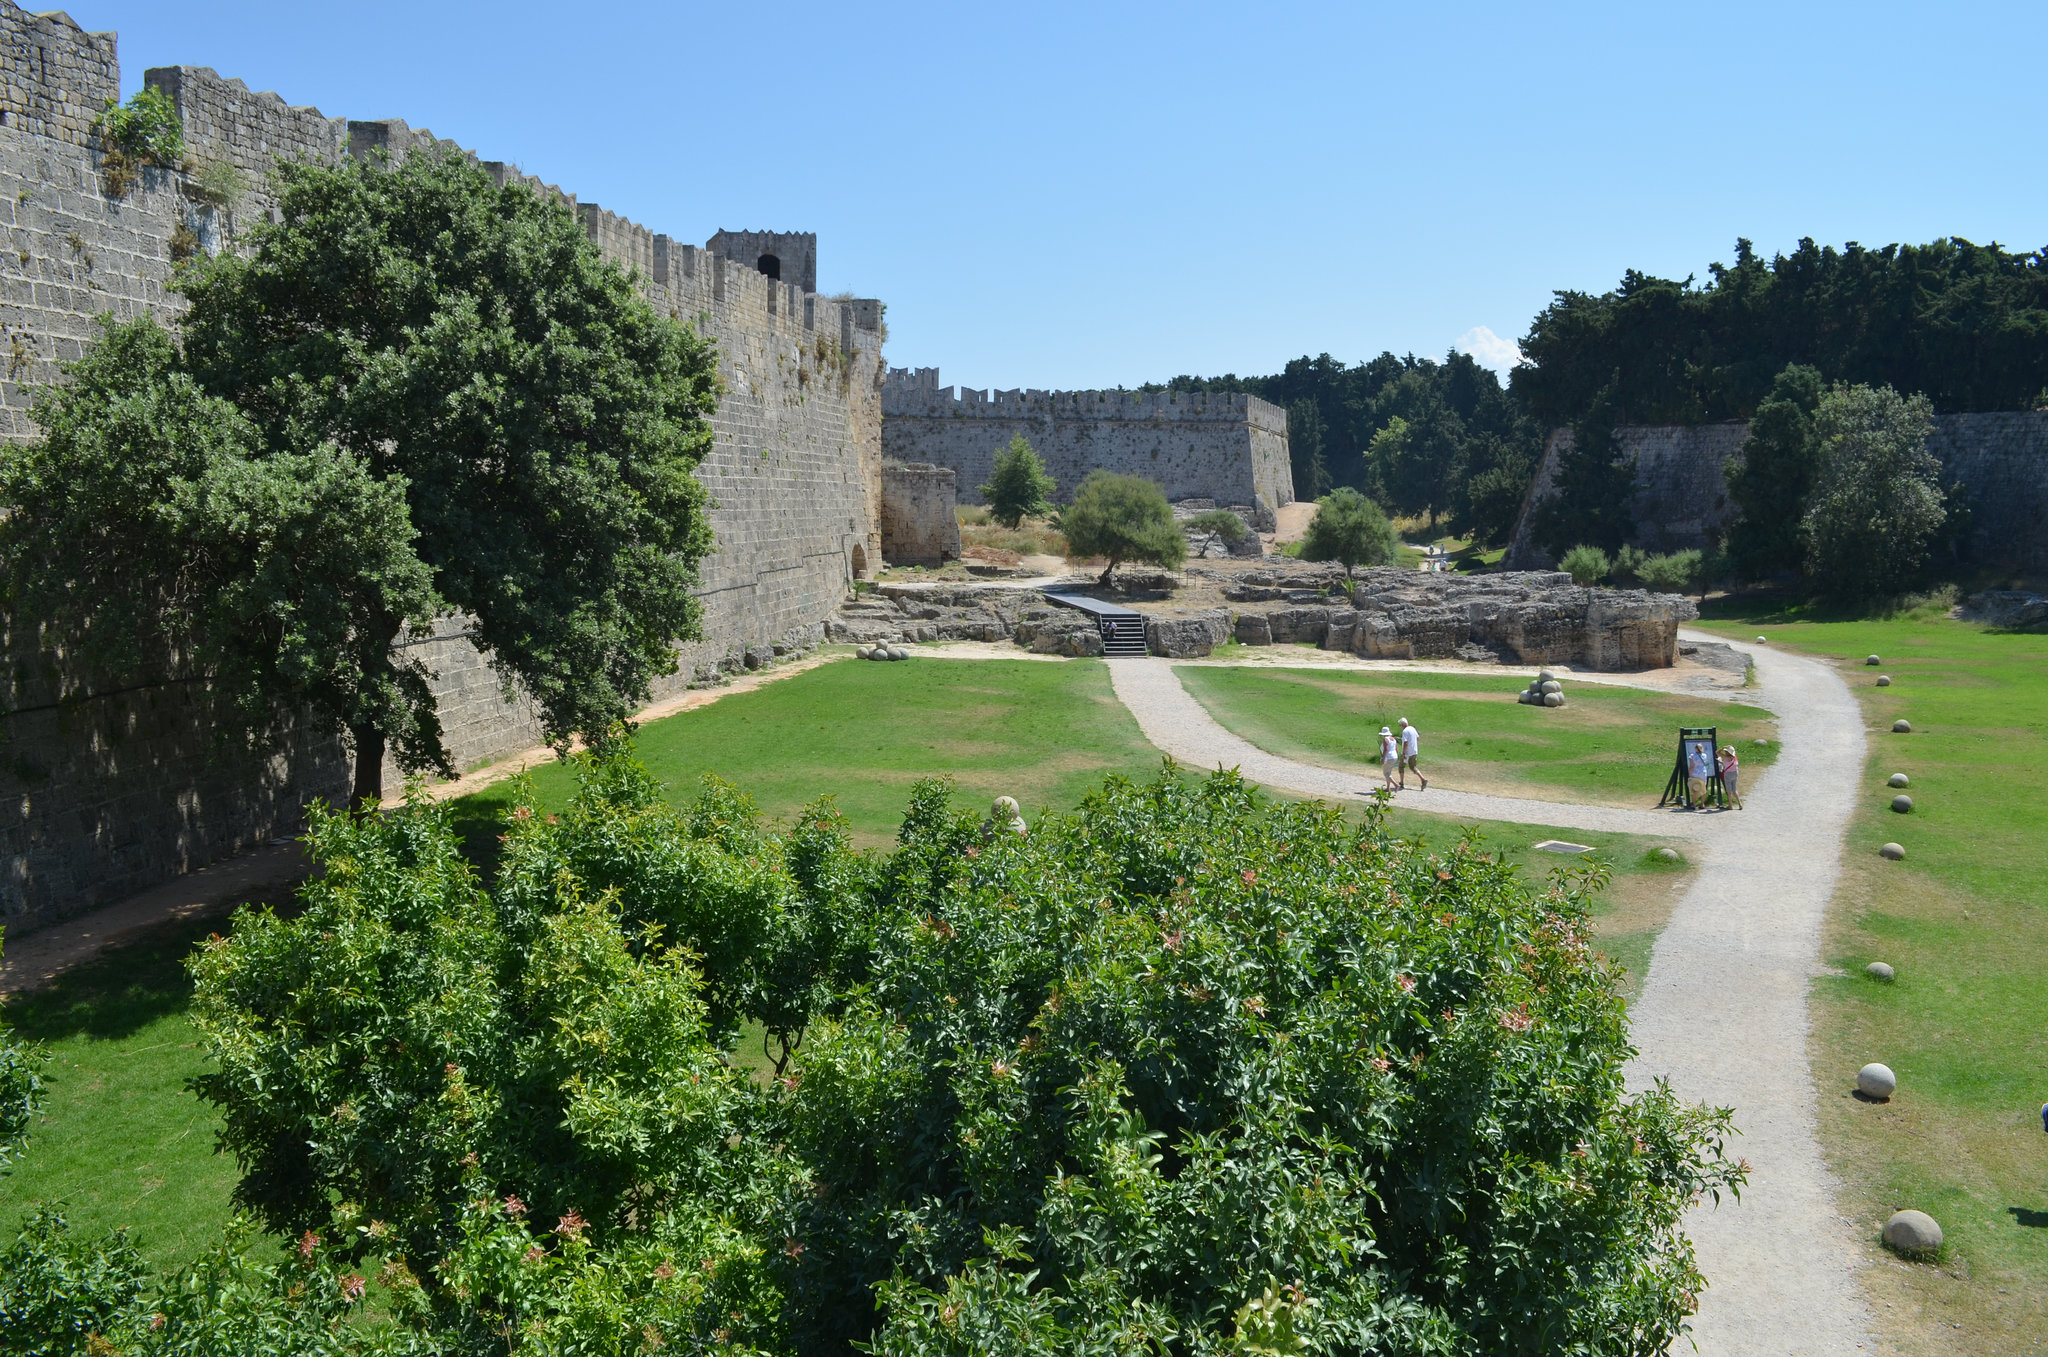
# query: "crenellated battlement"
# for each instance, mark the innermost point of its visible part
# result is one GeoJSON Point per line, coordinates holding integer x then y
{"type": "Point", "coordinates": [1228, 446]}
{"type": "Point", "coordinates": [916, 392]}
{"type": "Point", "coordinates": [55, 77]}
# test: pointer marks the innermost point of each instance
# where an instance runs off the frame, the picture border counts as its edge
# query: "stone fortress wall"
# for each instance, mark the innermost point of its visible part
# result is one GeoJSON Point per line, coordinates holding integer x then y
{"type": "Point", "coordinates": [103, 796]}
{"type": "Point", "coordinates": [1229, 447]}
{"type": "Point", "coordinates": [1681, 487]}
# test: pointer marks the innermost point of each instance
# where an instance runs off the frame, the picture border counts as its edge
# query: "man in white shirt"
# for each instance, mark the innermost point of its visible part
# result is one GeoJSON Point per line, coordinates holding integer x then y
{"type": "Point", "coordinates": [1411, 746]}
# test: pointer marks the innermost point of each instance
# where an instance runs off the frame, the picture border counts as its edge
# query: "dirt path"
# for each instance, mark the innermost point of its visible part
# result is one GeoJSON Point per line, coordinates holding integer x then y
{"type": "Point", "coordinates": [1722, 1011]}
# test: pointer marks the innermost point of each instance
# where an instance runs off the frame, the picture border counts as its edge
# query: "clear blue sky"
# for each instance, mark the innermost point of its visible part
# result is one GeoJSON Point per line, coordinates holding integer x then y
{"type": "Point", "coordinates": [1060, 195]}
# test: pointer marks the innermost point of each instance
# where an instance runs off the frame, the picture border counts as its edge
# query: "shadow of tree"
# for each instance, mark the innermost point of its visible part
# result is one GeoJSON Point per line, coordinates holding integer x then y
{"type": "Point", "coordinates": [2033, 1220]}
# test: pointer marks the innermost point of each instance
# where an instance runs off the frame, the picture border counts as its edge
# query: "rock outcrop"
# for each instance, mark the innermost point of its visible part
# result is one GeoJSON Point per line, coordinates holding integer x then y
{"type": "Point", "coordinates": [1186, 636]}
{"type": "Point", "coordinates": [1528, 617]}
{"type": "Point", "coordinates": [904, 613]}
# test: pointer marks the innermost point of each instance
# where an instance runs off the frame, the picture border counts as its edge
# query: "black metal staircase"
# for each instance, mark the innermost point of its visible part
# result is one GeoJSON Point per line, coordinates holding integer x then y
{"type": "Point", "coordinates": [1123, 631]}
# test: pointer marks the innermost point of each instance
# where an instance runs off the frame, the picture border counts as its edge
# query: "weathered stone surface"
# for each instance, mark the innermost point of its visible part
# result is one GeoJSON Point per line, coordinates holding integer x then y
{"type": "Point", "coordinates": [2008, 609]}
{"type": "Point", "coordinates": [1878, 970]}
{"type": "Point", "coordinates": [1893, 851]}
{"type": "Point", "coordinates": [1254, 630]}
{"type": "Point", "coordinates": [1898, 780]}
{"type": "Point", "coordinates": [1872, 660]}
{"type": "Point", "coordinates": [1884, 680]}
{"type": "Point", "coordinates": [1902, 804]}
{"type": "Point", "coordinates": [1538, 617]}
{"type": "Point", "coordinates": [1187, 636]}
{"type": "Point", "coordinates": [912, 612]}
{"type": "Point", "coordinates": [1913, 1232]}
{"type": "Point", "coordinates": [919, 526]}
{"type": "Point", "coordinates": [1669, 855]}
{"type": "Point", "coordinates": [1902, 727]}
{"type": "Point", "coordinates": [1876, 1081]}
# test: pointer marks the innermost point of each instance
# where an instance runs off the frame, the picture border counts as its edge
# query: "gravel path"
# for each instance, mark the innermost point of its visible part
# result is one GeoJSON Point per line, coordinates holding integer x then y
{"type": "Point", "coordinates": [1722, 1012]}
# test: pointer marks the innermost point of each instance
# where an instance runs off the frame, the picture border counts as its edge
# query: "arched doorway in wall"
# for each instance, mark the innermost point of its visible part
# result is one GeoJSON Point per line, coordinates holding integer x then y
{"type": "Point", "coordinates": [860, 561]}
{"type": "Point", "coordinates": [770, 265]}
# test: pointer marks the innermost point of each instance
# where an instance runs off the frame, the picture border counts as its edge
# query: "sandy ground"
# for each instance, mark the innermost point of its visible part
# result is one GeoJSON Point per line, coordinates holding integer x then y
{"type": "Point", "coordinates": [1722, 1012]}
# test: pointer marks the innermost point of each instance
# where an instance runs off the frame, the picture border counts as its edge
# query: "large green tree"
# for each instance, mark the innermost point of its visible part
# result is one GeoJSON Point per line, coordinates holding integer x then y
{"type": "Point", "coordinates": [1771, 481]}
{"type": "Point", "coordinates": [1018, 486]}
{"type": "Point", "coordinates": [1122, 518]}
{"type": "Point", "coordinates": [1350, 529]}
{"type": "Point", "coordinates": [417, 394]}
{"type": "Point", "coordinates": [1877, 500]}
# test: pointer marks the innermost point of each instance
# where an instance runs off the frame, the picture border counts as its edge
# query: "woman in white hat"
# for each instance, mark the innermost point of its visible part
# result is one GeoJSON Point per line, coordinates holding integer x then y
{"type": "Point", "coordinates": [1390, 757]}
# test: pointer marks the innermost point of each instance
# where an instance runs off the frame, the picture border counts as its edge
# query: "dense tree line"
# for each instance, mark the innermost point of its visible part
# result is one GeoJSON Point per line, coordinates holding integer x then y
{"type": "Point", "coordinates": [1964, 325]}
{"type": "Point", "coordinates": [1418, 436]}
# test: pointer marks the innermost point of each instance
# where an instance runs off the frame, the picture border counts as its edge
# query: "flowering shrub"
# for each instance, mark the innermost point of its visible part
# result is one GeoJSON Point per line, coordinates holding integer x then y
{"type": "Point", "coordinates": [1110, 1084]}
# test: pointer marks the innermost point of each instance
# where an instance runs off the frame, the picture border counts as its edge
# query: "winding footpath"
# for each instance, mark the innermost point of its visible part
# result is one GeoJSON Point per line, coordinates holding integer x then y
{"type": "Point", "coordinates": [1722, 1012]}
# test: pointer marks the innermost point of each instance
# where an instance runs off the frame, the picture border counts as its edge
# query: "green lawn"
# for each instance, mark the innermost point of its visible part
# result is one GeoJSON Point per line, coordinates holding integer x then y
{"type": "Point", "coordinates": [1038, 731]}
{"type": "Point", "coordinates": [121, 1142]}
{"type": "Point", "coordinates": [1606, 745]}
{"type": "Point", "coordinates": [1965, 921]}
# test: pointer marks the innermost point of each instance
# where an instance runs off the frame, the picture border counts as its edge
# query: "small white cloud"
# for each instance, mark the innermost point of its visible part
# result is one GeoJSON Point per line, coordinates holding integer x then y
{"type": "Point", "coordinates": [1489, 350]}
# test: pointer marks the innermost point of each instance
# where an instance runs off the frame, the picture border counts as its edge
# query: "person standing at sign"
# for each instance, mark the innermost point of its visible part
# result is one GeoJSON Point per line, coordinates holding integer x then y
{"type": "Point", "coordinates": [1731, 773]}
{"type": "Point", "coordinates": [1411, 750]}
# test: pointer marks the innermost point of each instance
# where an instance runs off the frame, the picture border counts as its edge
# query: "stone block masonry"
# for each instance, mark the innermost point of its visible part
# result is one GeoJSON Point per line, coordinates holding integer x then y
{"type": "Point", "coordinates": [919, 522]}
{"type": "Point", "coordinates": [1681, 486]}
{"type": "Point", "coordinates": [1227, 447]}
{"type": "Point", "coordinates": [111, 794]}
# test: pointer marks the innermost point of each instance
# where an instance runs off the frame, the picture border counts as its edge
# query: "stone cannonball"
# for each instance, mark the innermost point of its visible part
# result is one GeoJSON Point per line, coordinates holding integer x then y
{"type": "Point", "coordinates": [1902, 727]}
{"type": "Point", "coordinates": [880, 652]}
{"type": "Point", "coordinates": [1005, 808]}
{"type": "Point", "coordinates": [1552, 686]}
{"type": "Point", "coordinates": [1876, 1081]}
{"type": "Point", "coordinates": [1761, 641]}
{"type": "Point", "coordinates": [1884, 680]}
{"type": "Point", "coordinates": [1913, 1232]}
{"type": "Point", "coordinates": [1902, 803]}
{"type": "Point", "coordinates": [1544, 676]}
{"type": "Point", "coordinates": [1553, 699]}
{"type": "Point", "coordinates": [1872, 660]}
{"type": "Point", "coordinates": [1668, 855]}
{"type": "Point", "coordinates": [1763, 744]}
{"type": "Point", "coordinates": [898, 653]}
{"type": "Point", "coordinates": [1898, 780]}
{"type": "Point", "coordinates": [1018, 827]}
{"type": "Point", "coordinates": [1892, 851]}
{"type": "Point", "coordinates": [1878, 970]}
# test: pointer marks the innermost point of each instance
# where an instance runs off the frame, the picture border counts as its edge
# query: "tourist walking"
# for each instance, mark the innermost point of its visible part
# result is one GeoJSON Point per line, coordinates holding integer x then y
{"type": "Point", "coordinates": [1390, 758]}
{"type": "Point", "coordinates": [1731, 774]}
{"type": "Point", "coordinates": [1411, 750]}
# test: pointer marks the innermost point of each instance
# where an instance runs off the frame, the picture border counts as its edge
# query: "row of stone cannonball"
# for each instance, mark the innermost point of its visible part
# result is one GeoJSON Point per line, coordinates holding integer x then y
{"type": "Point", "coordinates": [1543, 691]}
{"type": "Point", "coordinates": [882, 652]}
{"type": "Point", "coordinates": [1914, 1233]}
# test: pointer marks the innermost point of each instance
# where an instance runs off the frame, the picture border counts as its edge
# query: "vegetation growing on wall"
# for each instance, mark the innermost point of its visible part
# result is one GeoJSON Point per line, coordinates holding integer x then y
{"type": "Point", "coordinates": [144, 131]}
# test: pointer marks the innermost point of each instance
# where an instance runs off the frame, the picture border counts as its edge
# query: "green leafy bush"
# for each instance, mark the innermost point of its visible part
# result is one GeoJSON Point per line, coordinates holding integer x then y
{"type": "Point", "coordinates": [1222, 522]}
{"type": "Point", "coordinates": [1018, 487]}
{"type": "Point", "coordinates": [1877, 500]}
{"type": "Point", "coordinates": [1183, 1071]}
{"type": "Point", "coordinates": [1349, 528]}
{"type": "Point", "coordinates": [1586, 565]}
{"type": "Point", "coordinates": [409, 1035]}
{"type": "Point", "coordinates": [21, 1093]}
{"type": "Point", "coordinates": [1122, 518]}
{"type": "Point", "coordinates": [1678, 573]}
{"type": "Point", "coordinates": [1109, 1085]}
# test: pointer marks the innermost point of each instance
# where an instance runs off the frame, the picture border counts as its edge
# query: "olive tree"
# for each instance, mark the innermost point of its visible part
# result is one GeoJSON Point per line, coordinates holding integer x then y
{"type": "Point", "coordinates": [419, 394]}
{"type": "Point", "coordinates": [1122, 518]}
{"type": "Point", "coordinates": [1349, 528]}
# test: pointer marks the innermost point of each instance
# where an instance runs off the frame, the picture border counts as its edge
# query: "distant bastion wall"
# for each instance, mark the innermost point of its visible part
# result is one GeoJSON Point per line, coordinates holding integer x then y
{"type": "Point", "coordinates": [114, 784]}
{"type": "Point", "coordinates": [1226, 446]}
{"type": "Point", "coordinates": [1681, 487]}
